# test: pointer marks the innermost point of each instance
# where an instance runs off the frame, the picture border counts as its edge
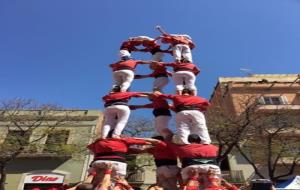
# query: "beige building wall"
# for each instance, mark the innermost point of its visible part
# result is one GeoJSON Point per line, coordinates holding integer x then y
{"type": "Point", "coordinates": [81, 132]}
{"type": "Point", "coordinates": [231, 91]}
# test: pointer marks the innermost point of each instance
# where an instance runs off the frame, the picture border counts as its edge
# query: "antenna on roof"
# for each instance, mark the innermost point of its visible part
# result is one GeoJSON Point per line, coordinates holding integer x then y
{"type": "Point", "coordinates": [247, 71]}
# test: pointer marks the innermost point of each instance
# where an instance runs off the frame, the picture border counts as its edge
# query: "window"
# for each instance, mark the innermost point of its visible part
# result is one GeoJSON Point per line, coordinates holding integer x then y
{"type": "Point", "coordinates": [273, 100]}
{"type": "Point", "coordinates": [56, 140]}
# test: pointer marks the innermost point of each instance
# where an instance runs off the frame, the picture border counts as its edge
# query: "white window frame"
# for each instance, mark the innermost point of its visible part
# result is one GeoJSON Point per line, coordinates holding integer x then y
{"type": "Point", "coordinates": [282, 99]}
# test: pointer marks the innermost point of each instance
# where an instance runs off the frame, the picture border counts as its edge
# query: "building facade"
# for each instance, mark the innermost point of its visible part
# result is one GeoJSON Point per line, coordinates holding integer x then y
{"type": "Point", "coordinates": [41, 164]}
{"type": "Point", "coordinates": [270, 91]}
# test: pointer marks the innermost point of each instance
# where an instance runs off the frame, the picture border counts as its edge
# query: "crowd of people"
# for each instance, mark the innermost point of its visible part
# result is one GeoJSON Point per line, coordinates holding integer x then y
{"type": "Point", "coordinates": [189, 145]}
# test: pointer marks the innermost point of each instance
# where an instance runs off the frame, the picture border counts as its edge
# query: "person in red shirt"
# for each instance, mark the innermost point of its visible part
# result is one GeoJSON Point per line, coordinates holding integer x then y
{"type": "Point", "coordinates": [189, 116]}
{"type": "Point", "coordinates": [161, 112]}
{"type": "Point", "coordinates": [166, 163]}
{"type": "Point", "coordinates": [196, 156]}
{"type": "Point", "coordinates": [123, 72]}
{"type": "Point", "coordinates": [113, 150]}
{"type": "Point", "coordinates": [116, 112]}
{"type": "Point", "coordinates": [149, 44]}
{"type": "Point", "coordinates": [129, 46]}
{"type": "Point", "coordinates": [181, 45]}
{"type": "Point", "coordinates": [184, 75]}
{"type": "Point", "coordinates": [160, 75]}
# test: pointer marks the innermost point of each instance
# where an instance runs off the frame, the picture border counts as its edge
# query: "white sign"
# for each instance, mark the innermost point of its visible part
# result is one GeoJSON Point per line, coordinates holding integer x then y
{"type": "Point", "coordinates": [44, 178]}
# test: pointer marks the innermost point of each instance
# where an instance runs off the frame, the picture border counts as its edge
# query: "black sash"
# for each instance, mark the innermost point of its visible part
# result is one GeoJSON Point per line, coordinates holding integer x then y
{"type": "Point", "coordinates": [116, 102]}
{"type": "Point", "coordinates": [165, 162]}
{"type": "Point", "coordinates": [198, 161]}
{"type": "Point", "coordinates": [186, 107]}
{"type": "Point", "coordinates": [161, 111]}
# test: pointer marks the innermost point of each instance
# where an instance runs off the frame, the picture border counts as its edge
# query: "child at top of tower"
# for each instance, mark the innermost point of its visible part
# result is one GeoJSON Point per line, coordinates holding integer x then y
{"type": "Point", "coordinates": [181, 45]}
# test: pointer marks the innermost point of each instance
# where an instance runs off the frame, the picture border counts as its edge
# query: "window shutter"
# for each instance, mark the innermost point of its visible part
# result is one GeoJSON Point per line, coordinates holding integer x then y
{"type": "Point", "coordinates": [284, 100]}
{"type": "Point", "coordinates": [261, 100]}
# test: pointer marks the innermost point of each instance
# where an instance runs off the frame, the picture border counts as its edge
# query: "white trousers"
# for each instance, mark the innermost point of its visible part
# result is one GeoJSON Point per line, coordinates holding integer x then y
{"type": "Point", "coordinates": [191, 122]}
{"type": "Point", "coordinates": [185, 79]}
{"type": "Point", "coordinates": [202, 168]}
{"type": "Point", "coordinates": [182, 51]}
{"type": "Point", "coordinates": [167, 171]}
{"type": "Point", "coordinates": [160, 82]}
{"type": "Point", "coordinates": [123, 78]}
{"type": "Point", "coordinates": [115, 118]}
{"type": "Point", "coordinates": [160, 123]}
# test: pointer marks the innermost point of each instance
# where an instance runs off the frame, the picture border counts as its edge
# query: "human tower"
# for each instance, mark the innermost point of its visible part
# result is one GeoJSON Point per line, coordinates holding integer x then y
{"type": "Point", "coordinates": [190, 143]}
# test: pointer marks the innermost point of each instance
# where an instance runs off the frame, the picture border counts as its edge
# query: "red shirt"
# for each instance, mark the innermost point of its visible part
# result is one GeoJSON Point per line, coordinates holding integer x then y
{"type": "Point", "coordinates": [114, 145]}
{"type": "Point", "coordinates": [129, 45]}
{"type": "Point", "coordinates": [157, 102]}
{"type": "Point", "coordinates": [120, 96]}
{"type": "Point", "coordinates": [162, 151]}
{"type": "Point", "coordinates": [159, 70]}
{"type": "Point", "coordinates": [120, 65]}
{"type": "Point", "coordinates": [184, 100]}
{"type": "Point", "coordinates": [150, 45]}
{"type": "Point", "coordinates": [184, 67]}
{"type": "Point", "coordinates": [194, 150]}
{"type": "Point", "coordinates": [174, 40]}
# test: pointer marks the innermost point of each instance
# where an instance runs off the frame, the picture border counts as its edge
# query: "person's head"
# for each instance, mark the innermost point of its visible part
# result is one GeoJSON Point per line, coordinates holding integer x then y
{"type": "Point", "coordinates": [158, 137]}
{"type": "Point", "coordinates": [193, 138]}
{"type": "Point", "coordinates": [85, 186]}
{"type": "Point", "coordinates": [155, 187]}
{"type": "Point", "coordinates": [186, 91]}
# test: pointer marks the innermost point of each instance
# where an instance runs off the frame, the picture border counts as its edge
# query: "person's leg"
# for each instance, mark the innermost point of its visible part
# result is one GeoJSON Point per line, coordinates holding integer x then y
{"type": "Point", "coordinates": [178, 79]}
{"type": "Point", "coordinates": [159, 83]}
{"type": "Point", "coordinates": [170, 174]}
{"type": "Point", "coordinates": [161, 124]}
{"type": "Point", "coordinates": [190, 79]}
{"type": "Point", "coordinates": [199, 126]}
{"type": "Point", "coordinates": [187, 53]}
{"type": "Point", "coordinates": [182, 125]}
{"type": "Point", "coordinates": [127, 78]}
{"type": "Point", "coordinates": [123, 113]}
{"type": "Point", "coordinates": [109, 121]}
{"type": "Point", "coordinates": [177, 52]}
{"type": "Point", "coordinates": [117, 76]}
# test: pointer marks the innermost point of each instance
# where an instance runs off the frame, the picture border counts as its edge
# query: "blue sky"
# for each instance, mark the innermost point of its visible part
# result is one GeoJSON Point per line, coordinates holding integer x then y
{"type": "Point", "coordinates": [59, 51]}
